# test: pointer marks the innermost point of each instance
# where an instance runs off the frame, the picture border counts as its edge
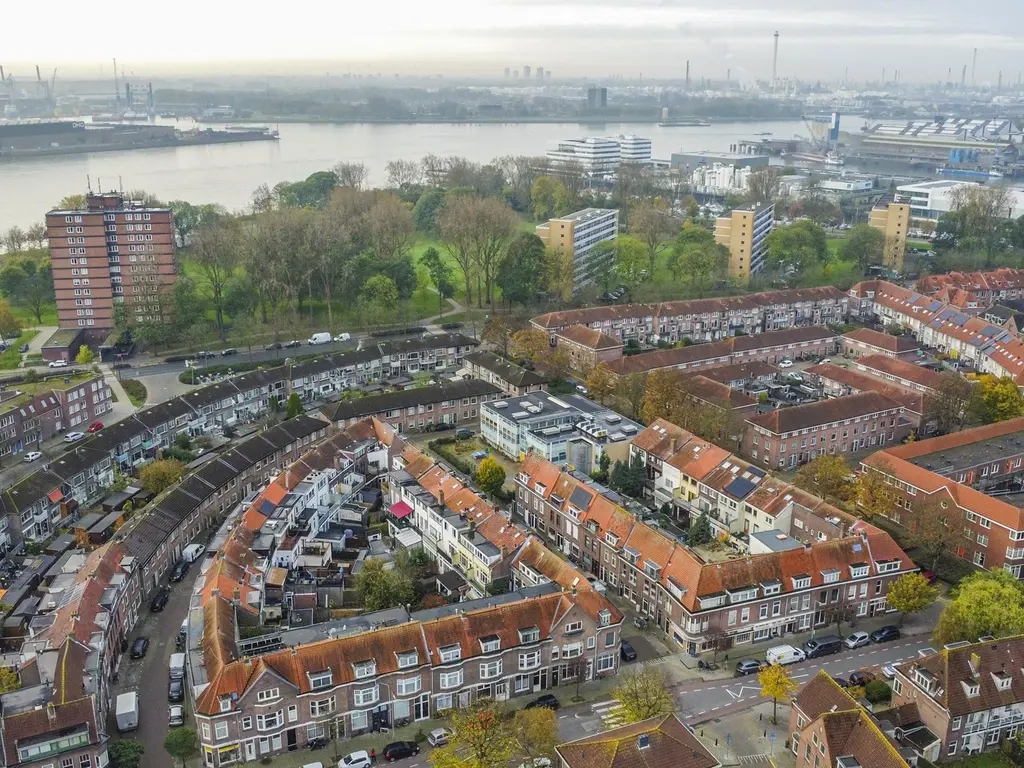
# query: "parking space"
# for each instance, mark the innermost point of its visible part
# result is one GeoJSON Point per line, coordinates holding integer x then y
{"type": "Point", "coordinates": [645, 649]}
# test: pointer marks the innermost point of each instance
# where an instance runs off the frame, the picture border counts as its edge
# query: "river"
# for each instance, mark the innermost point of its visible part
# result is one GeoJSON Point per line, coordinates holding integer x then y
{"type": "Point", "coordinates": [228, 173]}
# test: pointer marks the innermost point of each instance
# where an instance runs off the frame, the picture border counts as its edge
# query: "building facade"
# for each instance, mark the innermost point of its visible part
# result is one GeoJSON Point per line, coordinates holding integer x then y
{"type": "Point", "coordinates": [577, 234]}
{"type": "Point", "coordinates": [418, 409]}
{"type": "Point", "coordinates": [892, 220]}
{"type": "Point", "coordinates": [743, 231]}
{"type": "Point", "coordinates": [587, 348]}
{"type": "Point", "coordinates": [111, 251]}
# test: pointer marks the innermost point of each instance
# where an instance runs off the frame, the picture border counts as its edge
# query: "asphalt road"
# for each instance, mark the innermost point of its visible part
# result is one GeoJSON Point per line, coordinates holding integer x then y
{"type": "Point", "coordinates": [700, 701]}
{"type": "Point", "coordinates": [149, 675]}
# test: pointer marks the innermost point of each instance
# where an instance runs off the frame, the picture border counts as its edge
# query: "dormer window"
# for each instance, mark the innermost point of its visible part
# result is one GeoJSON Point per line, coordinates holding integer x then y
{"type": "Point", "coordinates": [887, 566]}
{"type": "Point", "coordinates": [605, 616]}
{"type": "Point", "coordinates": [1002, 681]}
{"type": "Point", "coordinates": [318, 680]}
{"type": "Point", "coordinates": [801, 582]}
{"type": "Point", "coordinates": [831, 576]}
{"type": "Point", "coordinates": [771, 587]}
{"type": "Point", "coordinates": [858, 570]}
{"type": "Point", "coordinates": [631, 555]}
{"type": "Point", "coordinates": [490, 644]}
{"type": "Point", "coordinates": [923, 678]}
{"type": "Point", "coordinates": [450, 653]}
{"type": "Point", "coordinates": [408, 659]}
{"type": "Point", "coordinates": [225, 704]}
{"type": "Point", "coordinates": [971, 688]}
{"type": "Point", "coordinates": [529, 635]}
{"type": "Point", "coordinates": [611, 538]}
{"type": "Point", "coordinates": [651, 569]}
{"type": "Point", "coordinates": [364, 669]}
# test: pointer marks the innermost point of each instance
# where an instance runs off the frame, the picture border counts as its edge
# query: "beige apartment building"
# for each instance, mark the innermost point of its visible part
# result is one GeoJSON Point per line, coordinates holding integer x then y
{"type": "Point", "coordinates": [892, 220]}
{"type": "Point", "coordinates": [578, 233]}
{"type": "Point", "coordinates": [743, 231]}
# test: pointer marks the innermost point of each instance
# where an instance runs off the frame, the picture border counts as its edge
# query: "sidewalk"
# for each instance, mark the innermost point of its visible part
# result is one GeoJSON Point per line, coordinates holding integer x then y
{"type": "Point", "coordinates": [749, 737]}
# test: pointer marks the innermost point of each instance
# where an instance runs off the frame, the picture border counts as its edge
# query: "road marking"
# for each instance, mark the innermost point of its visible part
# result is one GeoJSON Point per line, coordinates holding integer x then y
{"type": "Point", "coordinates": [603, 703]}
{"type": "Point", "coordinates": [562, 717]}
{"type": "Point", "coordinates": [714, 708]}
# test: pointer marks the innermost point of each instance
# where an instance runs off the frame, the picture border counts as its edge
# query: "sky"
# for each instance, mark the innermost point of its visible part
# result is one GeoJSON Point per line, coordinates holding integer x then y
{"type": "Point", "coordinates": [572, 38]}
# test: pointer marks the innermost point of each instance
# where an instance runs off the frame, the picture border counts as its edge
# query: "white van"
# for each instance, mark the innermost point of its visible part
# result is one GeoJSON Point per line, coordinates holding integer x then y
{"type": "Point", "coordinates": [192, 552]}
{"type": "Point", "coordinates": [319, 338]}
{"type": "Point", "coordinates": [784, 654]}
{"type": "Point", "coordinates": [176, 667]}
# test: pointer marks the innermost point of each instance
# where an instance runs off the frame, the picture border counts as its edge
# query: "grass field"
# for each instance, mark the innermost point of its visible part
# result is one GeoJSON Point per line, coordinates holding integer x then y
{"type": "Point", "coordinates": [11, 357]}
{"type": "Point", "coordinates": [26, 317]}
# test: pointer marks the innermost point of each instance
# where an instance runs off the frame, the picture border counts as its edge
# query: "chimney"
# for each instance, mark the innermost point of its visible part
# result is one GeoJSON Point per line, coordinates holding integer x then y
{"type": "Point", "coordinates": [295, 650]}
{"type": "Point", "coordinates": [440, 496]}
{"type": "Point", "coordinates": [247, 662]}
{"type": "Point", "coordinates": [673, 444]}
{"type": "Point", "coordinates": [975, 663]}
{"type": "Point", "coordinates": [643, 741]}
{"type": "Point", "coordinates": [51, 714]}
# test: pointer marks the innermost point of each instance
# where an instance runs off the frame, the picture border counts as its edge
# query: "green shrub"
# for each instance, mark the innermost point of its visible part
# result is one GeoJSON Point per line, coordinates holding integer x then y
{"type": "Point", "coordinates": [136, 391]}
{"type": "Point", "coordinates": [877, 691]}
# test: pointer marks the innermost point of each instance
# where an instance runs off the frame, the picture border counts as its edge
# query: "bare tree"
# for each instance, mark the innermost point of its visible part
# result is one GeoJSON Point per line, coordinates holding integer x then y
{"type": "Point", "coordinates": [574, 178]}
{"type": "Point", "coordinates": [351, 175]}
{"type": "Point", "coordinates": [457, 237]}
{"type": "Point", "coordinates": [216, 255]}
{"type": "Point", "coordinates": [390, 227]}
{"type": "Point", "coordinates": [763, 184]}
{"type": "Point", "coordinates": [14, 239]}
{"type": "Point", "coordinates": [434, 169]}
{"type": "Point", "coordinates": [403, 173]}
{"type": "Point", "coordinates": [261, 200]}
{"type": "Point", "coordinates": [652, 223]}
{"type": "Point", "coordinates": [36, 235]}
{"type": "Point", "coordinates": [494, 224]}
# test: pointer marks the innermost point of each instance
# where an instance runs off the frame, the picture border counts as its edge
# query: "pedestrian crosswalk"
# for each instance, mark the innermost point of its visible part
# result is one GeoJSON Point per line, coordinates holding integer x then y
{"type": "Point", "coordinates": [609, 712]}
{"type": "Point", "coordinates": [754, 759]}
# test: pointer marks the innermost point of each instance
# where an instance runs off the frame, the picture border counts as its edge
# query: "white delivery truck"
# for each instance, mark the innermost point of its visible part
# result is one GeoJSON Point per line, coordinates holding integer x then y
{"type": "Point", "coordinates": [192, 552]}
{"type": "Point", "coordinates": [784, 654]}
{"type": "Point", "coordinates": [177, 666]}
{"type": "Point", "coordinates": [319, 338]}
{"type": "Point", "coordinates": [127, 711]}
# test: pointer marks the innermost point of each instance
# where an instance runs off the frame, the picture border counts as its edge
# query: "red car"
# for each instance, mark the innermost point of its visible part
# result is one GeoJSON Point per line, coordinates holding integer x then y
{"type": "Point", "coordinates": [932, 578]}
{"type": "Point", "coordinates": [96, 426]}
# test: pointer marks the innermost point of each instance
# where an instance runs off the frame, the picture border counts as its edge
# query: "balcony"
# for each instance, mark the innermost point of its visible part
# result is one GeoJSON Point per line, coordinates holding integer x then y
{"type": "Point", "coordinates": [994, 723]}
{"type": "Point", "coordinates": [1014, 553]}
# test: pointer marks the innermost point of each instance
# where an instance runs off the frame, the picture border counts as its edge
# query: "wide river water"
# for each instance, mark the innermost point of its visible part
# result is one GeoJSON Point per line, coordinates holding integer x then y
{"type": "Point", "coordinates": [228, 173]}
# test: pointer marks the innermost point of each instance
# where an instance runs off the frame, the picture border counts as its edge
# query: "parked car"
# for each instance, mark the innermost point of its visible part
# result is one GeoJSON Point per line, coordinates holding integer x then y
{"type": "Point", "coordinates": [203, 355]}
{"type": "Point", "coordinates": [785, 364]}
{"type": "Point", "coordinates": [58, 363]}
{"type": "Point", "coordinates": [343, 337]}
{"type": "Point", "coordinates": [139, 648]}
{"type": "Point", "coordinates": [748, 667]}
{"type": "Point", "coordinates": [439, 737]}
{"type": "Point", "coordinates": [175, 715]}
{"type": "Point", "coordinates": [178, 571]}
{"type": "Point", "coordinates": [273, 346]}
{"type": "Point", "coordinates": [73, 437]}
{"type": "Point", "coordinates": [861, 677]}
{"type": "Point", "coordinates": [463, 433]}
{"type": "Point", "coordinates": [228, 352]}
{"type": "Point", "coordinates": [159, 601]}
{"type": "Point", "coordinates": [292, 344]}
{"type": "Point", "coordinates": [31, 456]}
{"type": "Point", "coordinates": [23, 348]}
{"type": "Point", "coordinates": [627, 651]}
{"type": "Point", "coordinates": [176, 690]}
{"type": "Point", "coordinates": [841, 682]}
{"type": "Point", "coordinates": [96, 426]}
{"type": "Point", "coordinates": [398, 750]}
{"type": "Point", "coordinates": [889, 670]}
{"type": "Point", "coordinates": [857, 639]}
{"type": "Point", "coordinates": [360, 759]}
{"type": "Point", "coordinates": [932, 578]}
{"type": "Point", "coordinates": [885, 634]}
{"type": "Point", "coordinates": [547, 700]}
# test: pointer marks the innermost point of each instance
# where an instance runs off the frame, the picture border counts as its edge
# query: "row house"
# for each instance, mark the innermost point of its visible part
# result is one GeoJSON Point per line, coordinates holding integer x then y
{"type": "Point", "coordinates": [969, 698]}
{"type": "Point", "coordinates": [461, 531]}
{"type": "Point", "coordinates": [827, 727]}
{"type": "Point", "coordinates": [586, 347]}
{"type": "Point", "coordinates": [899, 372]}
{"type": "Point", "coordinates": [1004, 283]}
{"type": "Point", "coordinates": [962, 474]}
{"type": "Point", "coordinates": [61, 720]}
{"type": "Point", "coordinates": [421, 408]}
{"type": "Point", "coordinates": [866, 341]}
{"type": "Point", "coordinates": [694, 476]}
{"type": "Point", "coordinates": [442, 659]}
{"type": "Point", "coordinates": [513, 380]}
{"type": "Point", "coordinates": [769, 347]}
{"type": "Point", "coordinates": [837, 381]}
{"type": "Point", "coordinates": [963, 337]}
{"type": "Point", "coordinates": [30, 418]}
{"type": "Point", "coordinates": [707, 319]}
{"type": "Point", "coordinates": [757, 598]}
{"type": "Point", "coordinates": [789, 437]}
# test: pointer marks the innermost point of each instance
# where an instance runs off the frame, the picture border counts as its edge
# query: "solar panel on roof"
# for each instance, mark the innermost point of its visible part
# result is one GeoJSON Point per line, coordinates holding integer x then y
{"type": "Point", "coordinates": [580, 497]}
{"type": "Point", "coordinates": [856, 547]}
{"type": "Point", "coordinates": [267, 506]}
{"type": "Point", "coordinates": [756, 471]}
{"type": "Point", "coordinates": [739, 488]}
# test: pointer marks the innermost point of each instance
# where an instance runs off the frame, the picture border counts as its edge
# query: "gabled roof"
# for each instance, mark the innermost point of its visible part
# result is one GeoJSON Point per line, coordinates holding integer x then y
{"type": "Point", "coordinates": [588, 337]}
{"type": "Point", "coordinates": [896, 344]}
{"type": "Point", "coordinates": [661, 742]}
{"type": "Point", "coordinates": [784, 420]}
{"type": "Point", "coordinates": [822, 694]}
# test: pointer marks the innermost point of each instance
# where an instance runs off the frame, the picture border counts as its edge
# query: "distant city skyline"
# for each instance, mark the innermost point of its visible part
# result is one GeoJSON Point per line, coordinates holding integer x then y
{"type": "Point", "coordinates": [573, 38]}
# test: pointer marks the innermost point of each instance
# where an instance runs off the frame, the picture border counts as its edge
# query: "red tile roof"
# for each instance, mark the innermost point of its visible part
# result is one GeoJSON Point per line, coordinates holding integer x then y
{"type": "Point", "coordinates": [895, 344]}
{"type": "Point", "coordinates": [900, 369]}
{"type": "Point", "coordinates": [588, 337]}
{"type": "Point", "coordinates": [670, 744]}
{"type": "Point", "coordinates": [861, 382]}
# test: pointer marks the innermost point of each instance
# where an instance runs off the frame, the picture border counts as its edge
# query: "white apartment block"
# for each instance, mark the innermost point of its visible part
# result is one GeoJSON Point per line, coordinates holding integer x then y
{"type": "Point", "coordinates": [596, 155]}
{"type": "Point", "coordinates": [634, 149]}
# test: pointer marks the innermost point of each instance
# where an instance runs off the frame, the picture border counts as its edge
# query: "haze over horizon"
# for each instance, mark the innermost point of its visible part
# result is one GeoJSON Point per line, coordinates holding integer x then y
{"type": "Point", "coordinates": [573, 38]}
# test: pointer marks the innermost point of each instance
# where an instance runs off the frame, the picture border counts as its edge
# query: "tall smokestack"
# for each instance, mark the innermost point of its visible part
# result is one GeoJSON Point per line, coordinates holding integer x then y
{"type": "Point", "coordinates": [974, 65]}
{"type": "Point", "coordinates": [775, 60]}
{"type": "Point", "coordinates": [687, 74]}
{"type": "Point", "coordinates": [999, 85]}
{"type": "Point", "coordinates": [963, 77]}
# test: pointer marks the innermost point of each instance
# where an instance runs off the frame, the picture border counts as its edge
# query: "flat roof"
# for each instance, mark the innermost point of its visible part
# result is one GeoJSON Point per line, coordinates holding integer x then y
{"type": "Point", "coordinates": [958, 458]}
{"type": "Point", "coordinates": [585, 215]}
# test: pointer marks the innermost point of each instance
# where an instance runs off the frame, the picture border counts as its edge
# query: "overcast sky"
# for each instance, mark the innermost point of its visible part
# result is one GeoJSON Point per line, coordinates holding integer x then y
{"type": "Point", "coordinates": [818, 38]}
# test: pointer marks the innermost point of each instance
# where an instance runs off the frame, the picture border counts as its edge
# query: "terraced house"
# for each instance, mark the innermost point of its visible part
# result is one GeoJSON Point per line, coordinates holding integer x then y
{"type": "Point", "coordinates": [441, 659]}
{"type": "Point", "coordinates": [707, 319]}
{"type": "Point", "coordinates": [749, 599]}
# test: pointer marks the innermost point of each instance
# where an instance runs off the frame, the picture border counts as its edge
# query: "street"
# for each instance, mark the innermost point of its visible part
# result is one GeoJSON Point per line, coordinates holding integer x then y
{"type": "Point", "coordinates": [698, 702]}
{"type": "Point", "coordinates": [149, 675]}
